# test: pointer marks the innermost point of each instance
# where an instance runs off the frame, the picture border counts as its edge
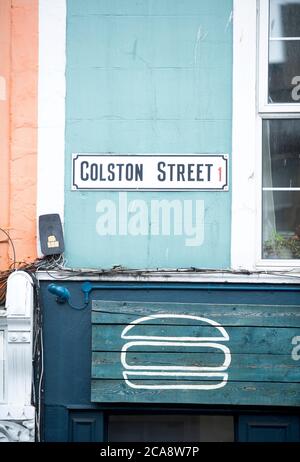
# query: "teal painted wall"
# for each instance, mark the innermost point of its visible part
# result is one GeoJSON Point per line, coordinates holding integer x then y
{"type": "Point", "coordinates": [148, 76]}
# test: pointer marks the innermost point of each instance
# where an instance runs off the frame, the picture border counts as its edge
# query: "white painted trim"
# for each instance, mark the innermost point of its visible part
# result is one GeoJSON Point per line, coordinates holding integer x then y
{"type": "Point", "coordinates": [2, 362]}
{"type": "Point", "coordinates": [16, 410]}
{"type": "Point", "coordinates": [263, 55]}
{"type": "Point", "coordinates": [51, 107]}
{"type": "Point", "coordinates": [10, 412]}
{"type": "Point", "coordinates": [259, 193]}
{"type": "Point", "coordinates": [250, 71]}
{"type": "Point", "coordinates": [19, 307]}
{"type": "Point", "coordinates": [288, 39]}
{"type": "Point", "coordinates": [244, 184]}
{"type": "Point", "coordinates": [281, 276]}
{"type": "Point", "coordinates": [269, 109]}
{"type": "Point", "coordinates": [281, 189]}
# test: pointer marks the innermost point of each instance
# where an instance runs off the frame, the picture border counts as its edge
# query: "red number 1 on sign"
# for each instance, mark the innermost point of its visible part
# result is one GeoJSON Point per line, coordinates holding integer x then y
{"type": "Point", "coordinates": [220, 173]}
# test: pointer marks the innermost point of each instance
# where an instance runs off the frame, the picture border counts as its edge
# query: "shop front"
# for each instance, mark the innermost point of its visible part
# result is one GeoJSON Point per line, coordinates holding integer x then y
{"type": "Point", "coordinates": [173, 140]}
{"type": "Point", "coordinates": [162, 361]}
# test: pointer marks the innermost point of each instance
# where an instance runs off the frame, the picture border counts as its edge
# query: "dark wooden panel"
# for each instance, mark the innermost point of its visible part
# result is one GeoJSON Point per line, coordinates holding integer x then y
{"type": "Point", "coordinates": [85, 426]}
{"type": "Point", "coordinates": [260, 428]}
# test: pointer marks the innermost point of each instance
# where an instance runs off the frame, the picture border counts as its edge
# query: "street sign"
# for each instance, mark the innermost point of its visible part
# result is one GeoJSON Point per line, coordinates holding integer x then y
{"type": "Point", "coordinates": [147, 172]}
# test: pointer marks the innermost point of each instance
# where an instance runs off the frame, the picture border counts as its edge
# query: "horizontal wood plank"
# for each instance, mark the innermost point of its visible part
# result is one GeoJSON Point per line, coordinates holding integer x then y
{"type": "Point", "coordinates": [234, 393]}
{"type": "Point", "coordinates": [254, 368]}
{"type": "Point", "coordinates": [226, 314]}
{"type": "Point", "coordinates": [248, 340]}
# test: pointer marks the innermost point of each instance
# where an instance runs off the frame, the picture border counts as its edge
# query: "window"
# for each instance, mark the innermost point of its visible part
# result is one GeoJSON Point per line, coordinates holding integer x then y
{"type": "Point", "coordinates": [279, 119]}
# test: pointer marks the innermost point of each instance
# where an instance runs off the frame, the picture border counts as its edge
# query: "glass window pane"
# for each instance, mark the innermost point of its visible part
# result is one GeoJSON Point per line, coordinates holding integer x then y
{"type": "Point", "coordinates": [281, 153]}
{"type": "Point", "coordinates": [284, 71]}
{"type": "Point", "coordinates": [170, 428]}
{"type": "Point", "coordinates": [281, 224]}
{"type": "Point", "coordinates": [281, 178]}
{"type": "Point", "coordinates": [285, 18]}
{"type": "Point", "coordinates": [284, 51]}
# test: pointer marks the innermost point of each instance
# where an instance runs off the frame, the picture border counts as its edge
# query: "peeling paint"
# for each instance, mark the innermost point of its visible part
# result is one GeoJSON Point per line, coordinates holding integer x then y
{"type": "Point", "coordinates": [2, 88]}
{"type": "Point", "coordinates": [229, 22]}
{"type": "Point", "coordinates": [201, 35]}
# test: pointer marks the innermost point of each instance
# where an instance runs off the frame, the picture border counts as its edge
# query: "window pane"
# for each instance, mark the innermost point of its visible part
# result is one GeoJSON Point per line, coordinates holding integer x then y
{"type": "Point", "coordinates": [281, 169]}
{"type": "Point", "coordinates": [285, 18]}
{"type": "Point", "coordinates": [170, 428]}
{"type": "Point", "coordinates": [281, 153]}
{"type": "Point", "coordinates": [281, 221]}
{"type": "Point", "coordinates": [284, 51]}
{"type": "Point", "coordinates": [287, 210]}
{"type": "Point", "coordinates": [284, 71]}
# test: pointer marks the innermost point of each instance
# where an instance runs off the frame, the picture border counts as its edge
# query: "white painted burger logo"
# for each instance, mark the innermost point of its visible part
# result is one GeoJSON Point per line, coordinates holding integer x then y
{"type": "Point", "coordinates": [153, 338]}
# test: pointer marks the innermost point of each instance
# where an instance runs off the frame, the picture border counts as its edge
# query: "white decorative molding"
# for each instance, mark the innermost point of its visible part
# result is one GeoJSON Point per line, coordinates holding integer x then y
{"type": "Point", "coordinates": [16, 326]}
{"type": "Point", "coordinates": [19, 337]}
{"type": "Point", "coordinates": [13, 432]}
{"type": "Point", "coordinates": [2, 340]}
{"type": "Point", "coordinates": [11, 412]}
{"type": "Point", "coordinates": [19, 306]}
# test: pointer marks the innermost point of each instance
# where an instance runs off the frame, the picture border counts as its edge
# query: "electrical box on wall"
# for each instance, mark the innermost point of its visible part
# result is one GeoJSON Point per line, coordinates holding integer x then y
{"type": "Point", "coordinates": [51, 234]}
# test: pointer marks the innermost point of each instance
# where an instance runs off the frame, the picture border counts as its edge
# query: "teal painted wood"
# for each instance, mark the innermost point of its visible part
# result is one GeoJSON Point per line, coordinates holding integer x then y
{"type": "Point", "coordinates": [226, 314]}
{"type": "Point", "coordinates": [148, 77]}
{"type": "Point", "coordinates": [243, 368]}
{"type": "Point", "coordinates": [177, 352]}
{"type": "Point", "coordinates": [235, 393]}
{"type": "Point", "coordinates": [249, 340]}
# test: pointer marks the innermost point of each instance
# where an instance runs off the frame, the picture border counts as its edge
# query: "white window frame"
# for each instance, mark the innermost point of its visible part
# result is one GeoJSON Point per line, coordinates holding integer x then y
{"type": "Point", "coordinates": [263, 67]}
{"type": "Point", "coordinates": [250, 107]}
{"type": "Point", "coordinates": [264, 262]}
{"type": "Point", "coordinates": [268, 111]}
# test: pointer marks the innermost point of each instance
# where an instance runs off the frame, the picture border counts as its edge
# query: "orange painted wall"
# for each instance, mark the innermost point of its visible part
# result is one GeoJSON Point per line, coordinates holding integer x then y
{"type": "Point", "coordinates": [18, 112]}
{"type": "Point", "coordinates": [5, 34]}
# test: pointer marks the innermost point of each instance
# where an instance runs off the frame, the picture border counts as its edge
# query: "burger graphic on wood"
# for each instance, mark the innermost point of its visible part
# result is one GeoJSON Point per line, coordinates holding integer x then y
{"type": "Point", "coordinates": [175, 351]}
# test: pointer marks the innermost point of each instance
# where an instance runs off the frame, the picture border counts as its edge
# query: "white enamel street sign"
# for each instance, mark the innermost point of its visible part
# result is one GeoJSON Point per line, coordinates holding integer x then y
{"type": "Point", "coordinates": [148, 172]}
